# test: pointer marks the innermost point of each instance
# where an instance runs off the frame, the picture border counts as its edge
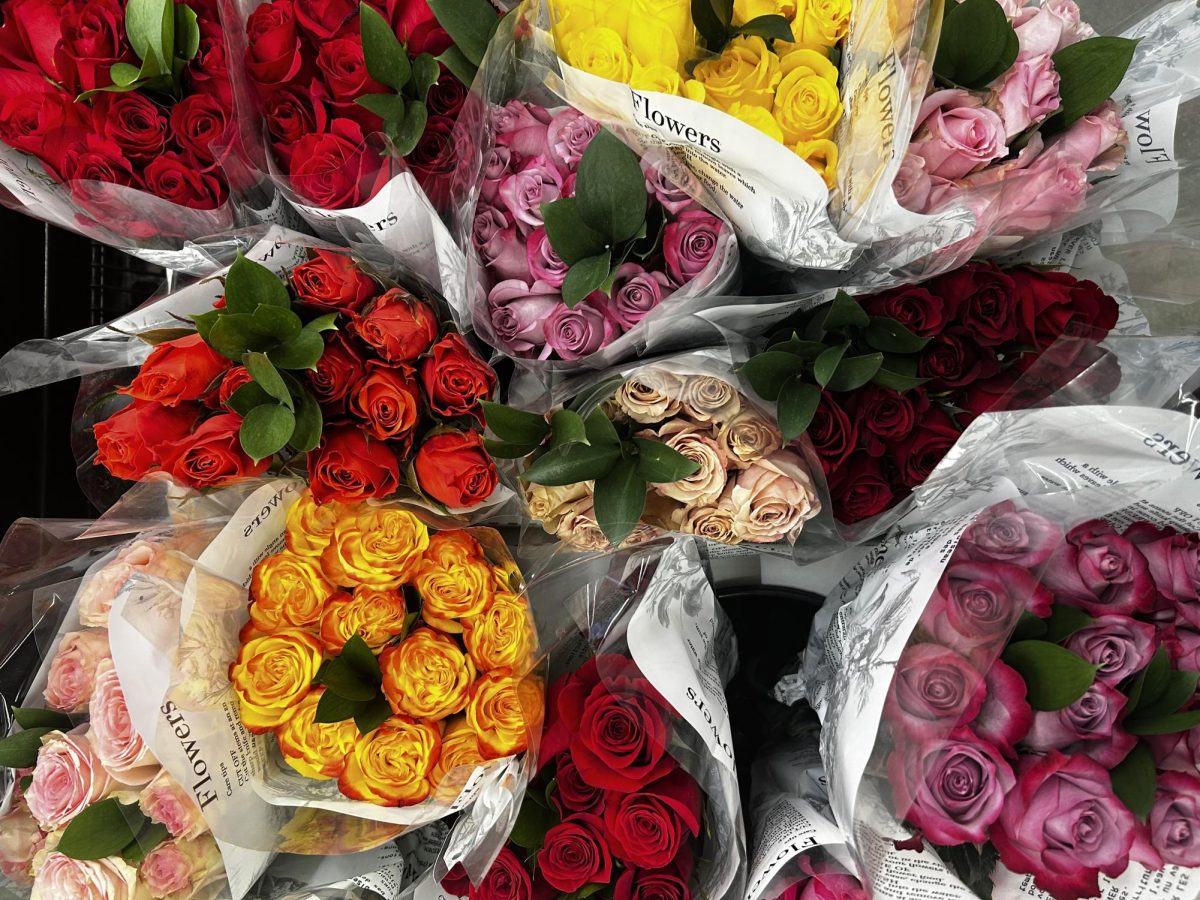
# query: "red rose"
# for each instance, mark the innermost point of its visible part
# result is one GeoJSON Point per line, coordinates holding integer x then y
{"type": "Point", "coordinates": [1085, 372]}
{"type": "Point", "coordinates": [435, 160]}
{"type": "Point", "coordinates": [212, 455]}
{"type": "Point", "coordinates": [886, 416]}
{"type": "Point", "coordinates": [32, 30]}
{"type": "Point", "coordinates": [860, 489]}
{"type": "Point", "coordinates": [93, 39]}
{"type": "Point", "coordinates": [197, 122]}
{"type": "Point", "coordinates": [912, 306]}
{"type": "Point", "coordinates": [336, 169]}
{"type": "Point", "coordinates": [350, 466]}
{"type": "Point", "coordinates": [323, 19]}
{"type": "Point", "coordinates": [984, 298]}
{"type": "Point", "coordinates": [290, 114]}
{"type": "Point", "coordinates": [96, 159]}
{"type": "Point", "coordinates": [572, 794]}
{"type": "Point", "coordinates": [953, 360]}
{"type": "Point", "coordinates": [128, 442]}
{"type": "Point", "coordinates": [344, 69]}
{"type": "Point", "coordinates": [182, 369]}
{"type": "Point", "coordinates": [447, 96]}
{"type": "Point", "coordinates": [332, 281]}
{"type": "Point", "coordinates": [456, 379]}
{"type": "Point", "coordinates": [918, 454]}
{"type": "Point", "coordinates": [338, 372]}
{"type": "Point", "coordinates": [832, 433]}
{"type": "Point", "coordinates": [234, 379]}
{"type": "Point", "coordinates": [416, 26]}
{"type": "Point", "coordinates": [457, 882]}
{"type": "Point", "coordinates": [667, 883]}
{"type": "Point", "coordinates": [454, 469]}
{"type": "Point", "coordinates": [398, 325]}
{"type": "Point", "coordinates": [273, 54]}
{"type": "Point", "coordinates": [507, 879]}
{"type": "Point", "coordinates": [988, 393]}
{"type": "Point", "coordinates": [175, 179]}
{"type": "Point", "coordinates": [134, 123]}
{"type": "Point", "coordinates": [43, 122]}
{"type": "Point", "coordinates": [1049, 302]}
{"type": "Point", "coordinates": [388, 403]}
{"type": "Point", "coordinates": [208, 72]}
{"type": "Point", "coordinates": [574, 853]}
{"type": "Point", "coordinates": [647, 829]}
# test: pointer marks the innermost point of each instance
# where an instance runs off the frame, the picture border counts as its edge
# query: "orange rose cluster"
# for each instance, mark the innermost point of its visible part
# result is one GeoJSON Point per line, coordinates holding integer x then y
{"type": "Point", "coordinates": [424, 639]}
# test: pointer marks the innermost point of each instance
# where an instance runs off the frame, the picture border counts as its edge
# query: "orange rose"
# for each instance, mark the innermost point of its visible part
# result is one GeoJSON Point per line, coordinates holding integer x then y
{"type": "Point", "coordinates": [272, 675]}
{"type": "Point", "coordinates": [426, 675]}
{"type": "Point", "coordinates": [459, 590]}
{"type": "Point", "coordinates": [502, 636]}
{"type": "Point", "coordinates": [374, 545]}
{"type": "Point", "coordinates": [310, 524]}
{"type": "Point", "coordinates": [391, 765]}
{"type": "Point", "coordinates": [503, 711]}
{"type": "Point", "coordinates": [315, 749]}
{"type": "Point", "coordinates": [460, 747]}
{"type": "Point", "coordinates": [375, 614]}
{"type": "Point", "coordinates": [287, 591]}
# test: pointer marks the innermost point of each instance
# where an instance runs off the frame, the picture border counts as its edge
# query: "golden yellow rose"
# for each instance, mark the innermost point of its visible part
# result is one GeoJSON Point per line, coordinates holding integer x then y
{"type": "Point", "coordinates": [599, 51]}
{"type": "Point", "coordinates": [376, 545]}
{"type": "Point", "coordinates": [272, 675]}
{"type": "Point", "coordinates": [310, 524]}
{"type": "Point", "coordinates": [455, 592]}
{"type": "Point", "coordinates": [426, 675]}
{"type": "Point", "coordinates": [820, 24]}
{"type": "Point", "coordinates": [390, 766]}
{"type": "Point", "coordinates": [460, 747]}
{"type": "Point", "coordinates": [807, 104]}
{"type": "Point", "coordinates": [757, 117]}
{"type": "Point", "coordinates": [746, 72]}
{"type": "Point", "coordinates": [822, 155]}
{"type": "Point", "coordinates": [375, 614]}
{"type": "Point", "coordinates": [446, 548]}
{"type": "Point", "coordinates": [652, 43]}
{"type": "Point", "coordinates": [658, 77]}
{"type": "Point", "coordinates": [502, 636]}
{"type": "Point", "coordinates": [315, 749]}
{"type": "Point", "coordinates": [503, 711]}
{"type": "Point", "coordinates": [287, 591]}
{"type": "Point", "coordinates": [748, 10]}
{"type": "Point", "coordinates": [575, 15]}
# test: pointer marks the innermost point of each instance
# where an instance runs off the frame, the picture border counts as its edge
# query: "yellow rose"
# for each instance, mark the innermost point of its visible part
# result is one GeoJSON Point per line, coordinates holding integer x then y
{"type": "Point", "coordinates": [390, 766]}
{"type": "Point", "coordinates": [759, 118]}
{"type": "Point", "coordinates": [503, 711]}
{"type": "Point", "coordinates": [746, 72]}
{"type": "Point", "coordinates": [658, 77]}
{"type": "Point", "coordinates": [571, 16]}
{"type": "Point", "coordinates": [272, 675]}
{"type": "Point", "coordinates": [287, 591]}
{"type": "Point", "coordinates": [674, 14]}
{"type": "Point", "coordinates": [822, 155]}
{"type": "Point", "coordinates": [460, 747]}
{"type": "Point", "coordinates": [448, 548]}
{"type": "Point", "coordinates": [376, 545]}
{"type": "Point", "coordinates": [807, 104]}
{"type": "Point", "coordinates": [502, 636]}
{"type": "Point", "coordinates": [426, 675]}
{"type": "Point", "coordinates": [454, 581]}
{"type": "Point", "coordinates": [310, 524]}
{"type": "Point", "coordinates": [315, 749]}
{"type": "Point", "coordinates": [820, 24]}
{"type": "Point", "coordinates": [652, 43]}
{"type": "Point", "coordinates": [375, 614]}
{"type": "Point", "coordinates": [748, 10]}
{"type": "Point", "coordinates": [599, 51]}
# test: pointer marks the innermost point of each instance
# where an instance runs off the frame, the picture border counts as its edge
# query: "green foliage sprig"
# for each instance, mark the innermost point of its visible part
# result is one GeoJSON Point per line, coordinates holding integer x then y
{"type": "Point", "coordinates": [165, 36]}
{"type": "Point", "coordinates": [353, 685]}
{"type": "Point", "coordinates": [714, 21]}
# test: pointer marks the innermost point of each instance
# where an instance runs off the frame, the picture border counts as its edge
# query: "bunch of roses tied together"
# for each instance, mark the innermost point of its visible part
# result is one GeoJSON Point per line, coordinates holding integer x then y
{"type": "Point", "coordinates": [384, 656]}
{"type": "Point", "coordinates": [1046, 705]}
{"type": "Point", "coordinates": [613, 809]}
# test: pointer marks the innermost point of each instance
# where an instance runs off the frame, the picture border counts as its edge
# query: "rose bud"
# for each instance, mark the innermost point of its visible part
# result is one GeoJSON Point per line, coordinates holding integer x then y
{"type": "Point", "coordinates": [115, 741]}
{"type": "Point", "coordinates": [287, 591]}
{"type": "Point", "coordinates": [183, 369]}
{"type": "Point", "coordinates": [977, 604]}
{"type": "Point", "coordinates": [456, 379]}
{"type": "Point", "coordinates": [1006, 715]}
{"type": "Point", "coordinates": [460, 747]}
{"type": "Point", "coordinates": [1087, 726]}
{"type": "Point", "coordinates": [524, 193]}
{"type": "Point", "coordinates": [176, 868]}
{"type": "Point", "coordinates": [503, 711]}
{"type": "Point", "coordinates": [170, 804]}
{"type": "Point", "coordinates": [1175, 819]}
{"type": "Point", "coordinates": [348, 466]}
{"type": "Point", "coordinates": [690, 242]}
{"type": "Point", "coordinates": [61, 877]}
{"type": "Point", "coordinates": [273, 45]}
{"type": "Point", "coordinates": [575, 853]}
{"type": "Point", "coordinates": [374, 614]}
{"type": "Point", "coordinates": [919, 454]}
{"type": "Point", "coordinates": [387, 403]}
{"type": "Point", "coordinates": [503, 636]}
{"type": "Point", "coordinates": [426, 675]}
{"type": "Point", "coordinates": [1005, 533]}
{"type": "Point", "coordinates": [322, 19]}
{"type": "Point", "coordinates": [376, 546]}
{"type": "Point", "coordinates": [649, 828]}
{"type": "Point", "coordinates": [212, 455]}
{"type": "Point", "coordinates": [390, 766]}
{"type": "Point", "coordinates": [1119, 645]}
{"type": "Point", "coordinates": [339, 371]}
{"type": "Point", "coordinates": [20, 841]}
{"type": "Point", "coordinates": [398, 325]}
{"type": "Point", "coordinates": [72, 675]}
{"type": "Point", "coordinates": [1101, 572]}
{"type": "Point", "coordinates": [454, 469]}
{"type": "Point", "coordinates": [933, 690]}
{"type": "Point", "coordinates": [332, 282]}
{"type": "Point", "coordinates": [315, 749]}
{"type": "Point", "coordinates": [67, 778]}
{"type": "Point", "coordinates": [272, 675]}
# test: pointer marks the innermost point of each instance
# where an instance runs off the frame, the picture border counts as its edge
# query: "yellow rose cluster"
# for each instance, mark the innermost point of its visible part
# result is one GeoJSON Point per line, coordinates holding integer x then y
{"type": "Point", "coordinates": [445, 620]}
{"type": "Point", "coordinates": [787, 90]}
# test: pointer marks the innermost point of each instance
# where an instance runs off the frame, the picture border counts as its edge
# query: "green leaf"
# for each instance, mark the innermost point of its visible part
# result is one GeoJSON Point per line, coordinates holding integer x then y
{"type": "Point", "coordinates": [187, 32]}
{"type": "Point", "coordinates": [600, 430]}
{"type": "Point", "coordinates": [205, 321]}
{"type": "Point", "coordinates": [570, 237]}
{"type": "Point", "coordinates": [1064, 621]}
{"type": "Point", "coordinates": [610, 188]}
{"type": "Point", "coordinates": [123, 74]}
{"type": "Point", "coordinates": [584, 277]}
{"type": "Point", "coordinates": [156, 336]}
{"type": "Point", "coordinates": [153, 834]}
{"type": "Point", "coordinates": [25, 782]}
{"type": "Point", "coordinates": [309, 422]}
{"type": "Point", "coordinates": [1028, 627]}
{"type": "Point", "coordinates": [1179, 689]}
{"type": "Point", "coordinates": [853, 372]}
{"type": "Point", "coordinates": [458, 64]}
{"type": "Point", "coordinates": [827, 363]}
{"type": "Point", "coordinates": [426, 72]}
{"type": "Point", "coordinates": [408, 135]}
{"type": "Point", "coordinates": [28, 717]}
{"type": "Point", "coordinates": [389, 107]}
{"type": "Point", "coordinates": [266, 430]}
{"type": "Point", "coordinates": [247, 397]}
{"type": "Point", "coordinates": [469, 23]}
{"type": "Point", "coordinates": [282, 324]}
{"type": "Point", "coordinates": [1089, 73]}
{"type": "Point", "coordinates": [505, 450]}
{"type": "Point", "coordinates": [516, 426]}
{"type": "Point", "coordinates": [249, 285]}
{"type": "Point", "coordinates": [659, 464]}
{"type": "Point", "coordinates": [150, 25]}
{"type": "Point", "coordinates": [373, 714]}
{"type": "Point", "coordinates": [977, 44]}
{"type": "Point", "coordinates": [386, 58]}
{"type": "Point", "coordinates": [20, 750]}
{"type": "Point", "coordinates": [1184, 721]}
{"type": "Point", "coordinates": [264, 373]}
{"type": "Point", "coordinates": [1135, 780]}
{"type": "Point", "coordinates": [1149, 683]}
{"type": "Point", "coordinates": [566, 427]}
{"type": "Point", "coordinates": [340, 678]}
{"type": "Point", "coordinates": [572, 464]}
{"type": "Point", "coordinates": [1054, 676]}
{"type": "Point", "coordinates": [798, 403]}
{"type": "Point", "coordinates": [533, 821]}
{"type": "Point", "coordinates": [844, 312]}
{"type": "Point", "coordinates": [898, 373]}
{"type": "Point", "coordinates": [770, 27]}
{"type": "Point", "coordinates": [103, 829]}
{"type": "Point", "coordinates": [768, 372]}
{"type": "Point", "coordinates": [712, 18]}
{"type": "Point", "coordinates": [358, 656]}
{"type": "Point", "coordinates": [326, 322]}
{"type": "Point", "coordinates": [234, 334]}
{"type": "Point", "coordinates": [619, 500]}
{"type": "Point", "coordinates": [890, 336]}
{"type": "Point", "coordinates": [799, 347]}
{"type": "Point", "coordinates": [301, 352]}
{"type": "Point", "coordinates": [333, 707]}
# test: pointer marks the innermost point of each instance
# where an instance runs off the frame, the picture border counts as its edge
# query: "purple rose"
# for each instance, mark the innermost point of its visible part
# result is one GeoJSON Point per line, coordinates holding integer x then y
{"type": "Point", "coordinates": [1184, 646]}
{"type": "Point", "coordinates": [519, 314]}
{"type": "Point", "coordinates": [976, 604]}
{"type": "Point", "coordinates": [1177, 752]}
{"type": "Point", "coordinates": [689, 242]}
{"type": "Point", "coordinates": [1174, 561]}
{"type": "Point", "coordinates": [1119, 645]}
{"type": "Point", "coordinates": [933, 690]}
{"type": "Point", "coordinates": [956, 134]}
{"type": "Point", "coordinates": [1063, 825]}
{"type": "Point", "coordinates": [1175, 819]}
{"type": "Point", "coordinates": [496, 164]}
{"type": "Point", "coordinates": [1027, 94]}
{"type": "Point", "coordinates": [1006, 715]}
{"type": "Point", "coordinates": [952, 789]}
{"type": "Point", "coordinates": [1100, 571]}
{"type": "Point", "coordinates": [672, 198]}
{"type": "Point", "coordinates": [1010, 534]}
{"type": "Point", "coordinates": [523, 193]}
{"type": "Point", "coordinates": [567, 136]}
{"type": "Point", "coordinates": [521, 127]}
{"type": "Point", "coordinates": [575, 333]}
{"type": "Point", "coordinates": [488, 223]}
{"type": "Point", "coordinates": [635, 293]}
{"type": "Point", "coordinates": [544, 264]}
{"type": "Point", "coordinates": [503, 253]}
{"type": "Point", "coordinates": [1088, 726]}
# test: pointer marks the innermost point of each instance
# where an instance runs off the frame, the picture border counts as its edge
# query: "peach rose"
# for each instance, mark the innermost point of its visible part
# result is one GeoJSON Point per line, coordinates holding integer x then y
{"type": "Point", "coordinates": [310, 524]}
{"type": "Point", "coordinates": [315, 749]}
{"type": "Point", "coordinates": [375, 614]}
{"type": "Point", "coordinates": [376, 545]}
{"type": "Point", "coordinates": [747, 437]}
{"type": "Point", "coordinates": [68, 777]}
{"type": "Point", "coordinates": [460, 747]}
{"type": "Point", "coordinates": [426, 675]}
{"type": "Point", "coordinates": [96, 595]}
{"type": "Point", "coordinates": [63, 878]}
{"type": "Point", "coordinates": [712, 522]}
{"type": "Point", "coordinates": [502, 636]}
{"type": "Point", "coordinates": [170, 804]}
{"type": "Point", "coordinates": [773, 498]}
{"type": "Point", "coordinates": [391, 765]}
{"type": "Point", "coordinates": [709, 399]}
{"type": "Point", "coordinates": [650, 396]}
{"type": "Point", "coordinates": [272, 674]}
{"type": "Point", "coordinates": [288, 591]}
{"type": "Point", "coordinates": [175, 869]}
{"type": "Point", "coordinates": [578, 528]}
{"type": "Point", "coordinates": [548, 505]}
{"type": "Point", "coordinates": [503, 711]}
{"type": "Point", "coordinates": [118, 746]}
{"type": "Point", "coordinates": [20, 840]}
{"type": "Point", "coordinates": [72, 675]}
{"type": "Point", "coordinates": [706, 484]}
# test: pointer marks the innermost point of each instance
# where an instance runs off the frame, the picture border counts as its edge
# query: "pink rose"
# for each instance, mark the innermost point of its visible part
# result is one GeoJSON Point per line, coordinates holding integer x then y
{"type": "Point", "coordinates": [1097, 142]}
{"type": "Point", "coordinates": [567, 136]}
{"type": "Point", "coordinates": [912, 185]}
{"type": "Point", "coordinates": [1174, 561]}
{"type": "Point", "coordinates": [1088, 726]}
{"type": "Point", "coordinates": [1184, 646]}
{"type": "Point", "coordinates": [772, 499]}
{"type": "Point", "coordinates": [72, 674]}
{"type": "Point", "coordinates": [1175, 819]}
{"type": "Point", "coordinates": [689, 244]}
{"type": "Point", "coordinates": [496, 164]}
{"type": "Point", "coordinates": [1119, 645]}
{"type": "Point", "coordinates": [1178, 752]}
{"type": "Point", "coordinates": [68, 776]}
{"type": "Point", "coordinates": [167, 802]}
{"type": "Point", "coordinates": [1046, 30]}
{"type": "Point", "coordinates": [519, 313]}
{"type": "Point", "coordinates": [956, 134]}
{"type": "Point", "coordinates": [1042, 196]}
{"type": "Point", "coordinates": [179, 867]}
{"type": "Point", "coordinates": [1006, 715]}
{"type": "Point", "coordinates": [1009, 534]}
{"type": "Point", "coordinates": [670, 196]}
{"type": "Point", "coordinates": [952, 789]}
{"type": "Point", "coordinates": [96, 595]}
{"type": "Point", "coordinates": [116, 742]}
{"type": "Point", "coordinates": [503, 252]}
{"type": "Point", "coordinates": [825, 880]}
{"type": "Point", "coordinates": [1101, 572]}
{"type": "Point", "coordinates": [521, 127]}
{"type": "Point", "coordinates": [63, 878]}
{"type": "Point", "coordinates": [20, 840]}
{"type": "Point", "coordinates": [933, 690]}
{"type": "Point", "coordinates": [575, 333]}
{"type": "Point", "coordinates": [1027, 94]}
{"type": "Point", "coordinates": [523, 193]}
{"type": "Point", "coordinates": [635, 292]}
{"type": "Point", "coordinates": [544, 263]}
{"type": "Point", "coordinates": [976, 604]}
